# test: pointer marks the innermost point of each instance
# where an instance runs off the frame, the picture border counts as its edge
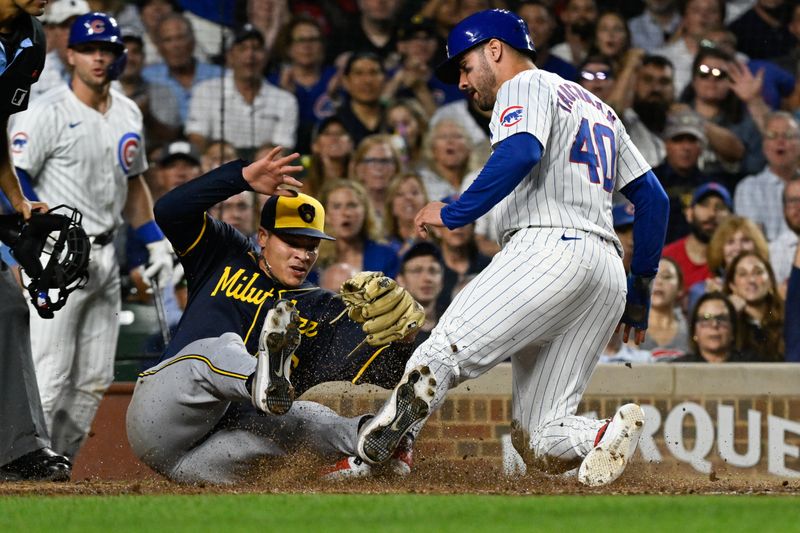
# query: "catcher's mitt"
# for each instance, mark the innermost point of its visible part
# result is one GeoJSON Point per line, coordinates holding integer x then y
{"type": "Point", "coordinates": [59, 241]}
{"type": "Point", "coordinates": [387, 311]}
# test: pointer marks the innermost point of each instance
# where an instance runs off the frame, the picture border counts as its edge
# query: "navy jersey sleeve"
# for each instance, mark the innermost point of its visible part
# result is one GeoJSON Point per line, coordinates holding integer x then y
{"type": "Point", "coordinates": [199, 239]}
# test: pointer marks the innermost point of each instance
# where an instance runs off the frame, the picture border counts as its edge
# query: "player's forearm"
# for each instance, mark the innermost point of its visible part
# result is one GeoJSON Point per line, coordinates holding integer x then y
{"type": "Point", "coordinates": [512, 160]}
{"type": "Point", "coordinates": [649, 222]}
{"type": "Point", "coordinates": [139, 204]}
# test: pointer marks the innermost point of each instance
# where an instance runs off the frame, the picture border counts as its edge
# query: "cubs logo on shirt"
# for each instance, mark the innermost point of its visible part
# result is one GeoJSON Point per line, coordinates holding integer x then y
{"type": "Point", "coordinates": [127, 150]}
{"type": "Point", "coordinates": [18, 142]}
{"type": "Point", "coordinates": [511, 115]}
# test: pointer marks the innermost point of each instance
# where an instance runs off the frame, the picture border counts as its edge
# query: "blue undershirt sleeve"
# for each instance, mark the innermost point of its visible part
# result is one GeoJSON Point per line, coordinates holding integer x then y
{"type": "Point", "coordinates": [650, 217]}
{"type": "Point", "coordinates": [26, 182]}
{"type": "Point", "coordinates": [512, 160]}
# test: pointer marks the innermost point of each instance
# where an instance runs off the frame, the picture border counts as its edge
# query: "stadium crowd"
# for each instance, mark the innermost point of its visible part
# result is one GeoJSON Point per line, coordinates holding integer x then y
{"type": "Point", "coordinates": [708, 91]}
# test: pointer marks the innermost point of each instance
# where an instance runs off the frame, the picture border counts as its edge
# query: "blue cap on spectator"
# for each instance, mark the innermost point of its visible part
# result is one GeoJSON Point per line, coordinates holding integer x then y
{"type": "Point", "coordinates": [712, 187]}
{"type": "Point", "coordinates": [623, 214]}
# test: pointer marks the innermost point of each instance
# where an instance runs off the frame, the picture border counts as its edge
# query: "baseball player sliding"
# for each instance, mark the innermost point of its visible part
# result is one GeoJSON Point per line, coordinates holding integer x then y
{"type": "Point", "coordinates": [210, 409]}
{"type": "Point", "coordinates": [552, 297]}
{"type": "Point", "coordinates": [80, 144]}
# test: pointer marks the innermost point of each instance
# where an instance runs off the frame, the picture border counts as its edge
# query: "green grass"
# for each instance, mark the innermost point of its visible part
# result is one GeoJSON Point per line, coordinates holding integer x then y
{"type": "Point", "coordinates": [400, 513]}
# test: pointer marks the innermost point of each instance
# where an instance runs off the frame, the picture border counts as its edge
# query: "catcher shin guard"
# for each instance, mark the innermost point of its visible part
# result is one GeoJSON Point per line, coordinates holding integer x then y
{"type": "Point", "coordinates": [410, 403]}
{"type": "Point", "coordinates": [614, 449]}
{"type": "Point", "coordinates": [272, 392]}
{"type": "Point", "coordinates": [61, 241]}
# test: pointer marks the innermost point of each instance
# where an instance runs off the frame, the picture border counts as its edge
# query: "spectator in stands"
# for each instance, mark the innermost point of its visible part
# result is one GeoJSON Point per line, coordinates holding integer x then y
{"type": "Point", "coordinates": [408, 120]}
{"type": "Point", "coordinates": [363, 80]}
{"type": "Point", "coordinates": [596, 75]}
{"type": "Point", "coordinates": [461, 258]}
{"type": "Point", "coordinates": [417, 45]}
{"type": "Point", "coordinates": [240, 212]}
{"type": "Point", "coordinates": [331, 147]}
{"type": "Point", "coordinates": [667, 330]}
{"type": "Point", "coordinates": [126, 14]}
{"type": "Point", "coordinates": [179, 163]}
{"type": "Point", "coordinates": [373, 31]}
{"type": "Point", "coordinates": [269, 16]}
{"type": "Point", "coordinates": [216, 154]}
{"type": "Point", "coordinates": [713, 331]}
{"type": "Point", "coordinates": [255, 111]}
{"type": "Point", "coordinates": [791, 327]}
{"type": "Point", "coordinates": [57, 19]}
{"type": "Point", "coordinates": [782, 249]}
{"type": "Point", "coordinates": [542, 24]}
{"type": "Point", "coordinates": [303, 72]}
{"type": "Point", "coordinates": [179, 70]}
{"type": "Point", "coordinates": [611, 38]}
{"type": "Point", "coordinates": [733, 236]}
{"type": "Point", "coordinates": [655, 27]}
{"type": "Point", "coordinates": [718, 92]}
{"type": "Point", "coordinates": [750, 283]}
{"type": "Point", "coordinates": [421, 273]}
{"type": "Point", "coordinates": [448, 152]}
{"type": "Point", "coordinates": [698, 18]}
{"type": "Point", "coordinates": [646, 118]}
{"type": "Point", "coordinates": [680, 174]}
{"type": "Point", "coordinates": [157, 102]}
{"type": "Point", "coordinates": [474, 120]}
{"type": "Point", "coordinates": [151, 13]}
{"type": "Point", "coordinates": [332, 277]}
{"type": "Point", "coordinates": [374, 164]}
{"type": "Point", "coordinates": [759, 197]}
{"type": "Point", "coordinates": [579, 18]}
{"type": "Point", "coordinates": [618, 352]}
{"type": "Point", "coordinates": [711, 204]}
{"type": "Point", "coordinates": [762, 31]}
{"type": "Point", "coordinates": [349, 217]}
{"type": "Point", "coordinates": [404, 199]}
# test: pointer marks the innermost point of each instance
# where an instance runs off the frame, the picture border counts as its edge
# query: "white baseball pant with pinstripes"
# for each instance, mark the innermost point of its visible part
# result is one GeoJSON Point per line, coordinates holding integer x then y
{"type": "Point", "coordinates": [74, 353]}
{"type": "Point", "coordinates": [551, 306]}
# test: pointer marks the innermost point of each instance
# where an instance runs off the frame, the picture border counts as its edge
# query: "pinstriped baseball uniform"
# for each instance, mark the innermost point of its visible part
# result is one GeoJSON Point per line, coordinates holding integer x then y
{"type": "Point", "coordinates": [554, 294]}
{"type": "Point", "coordinates": [80, 157]}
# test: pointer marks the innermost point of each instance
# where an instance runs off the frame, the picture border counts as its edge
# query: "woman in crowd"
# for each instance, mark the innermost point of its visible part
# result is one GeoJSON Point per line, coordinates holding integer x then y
{"type": "Point", "coordinates": [216, 154]}
{"type": "Point", "coordinates": [612, 40]}
{"type": "Point", "coordinates": [407, 121]}
{"type": "Point", "coordinates": [331, 147]}
{"type": "Point", "coordinates": [751, 285]}
{"type": "Point", "coordinates": [734, 140]}
{"type": "Point", "coordinates": [667, 330]}
{"type": "Point", "coordinates": [303, 73]}
{"type": "Point", "coordinates": [733, 236]}
{"type": "Point", "coordinates": [349, 217]}
{"type": "Point", "coordinates": [448, 152]}
{"type": "Point", "coordinates": [374, 164]}
{"type": "Point", "coordinates": [713, 332]}
{"type": "Point", "coordinates": [404, 199]}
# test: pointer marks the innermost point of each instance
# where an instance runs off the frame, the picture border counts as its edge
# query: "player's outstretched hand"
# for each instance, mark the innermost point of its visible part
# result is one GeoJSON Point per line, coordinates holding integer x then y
{"type": "Point", "coordinates": [271, 171]}
{"type": "Point", "coordinates": [430, 215]}
{"type": "Point", "coordinates": [637, 308]}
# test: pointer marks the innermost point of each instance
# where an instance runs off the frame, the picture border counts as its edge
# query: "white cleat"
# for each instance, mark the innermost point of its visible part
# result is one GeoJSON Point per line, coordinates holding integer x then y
{"type": "Point", "coordinates": [272, 392]}
{"type": "Point", "coordinates": [410, 402]}
{"type": "Point", "coordinates": [615, 448]}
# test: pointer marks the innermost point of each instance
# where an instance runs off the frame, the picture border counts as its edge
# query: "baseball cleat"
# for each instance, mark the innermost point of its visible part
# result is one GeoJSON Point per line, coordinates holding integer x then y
{"type": "Point", "coordinates": [272, 392]}
{"type": "Point", "coordinates": [400, 464]}
{"type": "Point", "coordinates": [615, 445]}
{"type": "Point", "coordinates": [410, 402]}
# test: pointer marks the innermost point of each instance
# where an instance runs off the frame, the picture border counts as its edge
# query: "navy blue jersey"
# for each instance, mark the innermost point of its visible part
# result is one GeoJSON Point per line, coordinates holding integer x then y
{"type": "Point", "coordinates": [229, 291]}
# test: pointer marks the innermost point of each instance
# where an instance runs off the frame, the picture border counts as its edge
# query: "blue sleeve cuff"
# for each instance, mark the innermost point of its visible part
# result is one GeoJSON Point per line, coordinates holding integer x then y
{"type": "Point", "coordinates": [512, 160]}
{"type": "Point", "coordinates": [149, 232]}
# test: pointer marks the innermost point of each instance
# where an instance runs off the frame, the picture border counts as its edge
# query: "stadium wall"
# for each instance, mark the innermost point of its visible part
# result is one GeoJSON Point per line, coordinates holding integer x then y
{"type": "Point", "coordinates": [700, 418]}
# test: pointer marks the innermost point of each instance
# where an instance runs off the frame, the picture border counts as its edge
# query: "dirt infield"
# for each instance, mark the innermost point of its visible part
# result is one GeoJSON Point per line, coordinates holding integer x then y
{"type": "Point", "coordinates": [300, 474]}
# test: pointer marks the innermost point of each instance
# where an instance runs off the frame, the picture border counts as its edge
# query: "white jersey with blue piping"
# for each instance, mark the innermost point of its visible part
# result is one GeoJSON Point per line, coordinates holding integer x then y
{"type": "Point", "coordinates": [587, 154]}
{"type": "Point", "coordinates": [80, 157]}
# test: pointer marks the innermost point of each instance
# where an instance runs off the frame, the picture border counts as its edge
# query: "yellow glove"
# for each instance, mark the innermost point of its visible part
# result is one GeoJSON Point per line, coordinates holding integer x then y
{"type": "Point", "coordinates": [387, 311]}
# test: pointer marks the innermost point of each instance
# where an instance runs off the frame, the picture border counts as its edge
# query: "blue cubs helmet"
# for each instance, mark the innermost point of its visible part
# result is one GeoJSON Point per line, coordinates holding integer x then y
{"type": "Point", "coordinates": [478, 28]}
{"type": "Point", "coordinates": [99, 27]}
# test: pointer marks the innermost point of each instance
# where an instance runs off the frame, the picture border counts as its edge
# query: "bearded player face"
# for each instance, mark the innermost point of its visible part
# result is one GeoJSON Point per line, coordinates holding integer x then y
{"type": "Point", "coordinates": [477, 79]}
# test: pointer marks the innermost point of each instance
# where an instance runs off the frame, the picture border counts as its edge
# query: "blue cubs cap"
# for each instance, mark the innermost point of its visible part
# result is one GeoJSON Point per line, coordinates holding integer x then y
{"type": "Point", "coordinates": [98, 27]}
{"type": "Point", "coordinates": [709, 188]}
{"type": "Point", "coordinates": [295, 215]}
{"type": "Point", "coordinates": [622, 214]}
{"type": "Point", "coordinates": [481, 27]}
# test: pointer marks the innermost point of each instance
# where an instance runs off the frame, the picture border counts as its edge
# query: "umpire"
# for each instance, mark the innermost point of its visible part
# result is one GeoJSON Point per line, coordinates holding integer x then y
{"type": "Point", "coordinates": [25, 452]}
